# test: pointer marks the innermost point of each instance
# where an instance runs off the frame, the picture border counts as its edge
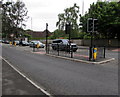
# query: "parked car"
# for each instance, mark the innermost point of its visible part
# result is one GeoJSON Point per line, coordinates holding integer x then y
{"type": "Point", "coordinates": [1, 41]}
{"type": "Point", "coordinates": [34, 44]}
{"type": "Point", "coordinates": [17, 42]}
{"type": "Point", "coordinates": [25, 43]}
{"type": "Point", "coordinates": [6, 41]}
{"type": "Point", "coordinates": [63, 44]}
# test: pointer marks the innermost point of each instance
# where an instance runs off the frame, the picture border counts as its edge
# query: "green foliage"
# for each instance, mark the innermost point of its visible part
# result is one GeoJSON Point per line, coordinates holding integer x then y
{"type": "Point", "coordinates": [14, 14]}
{"type": "Point", "coordinates": [108, 15]}
{"type": "Point", "coordinates": [57, 34]}
{"type": "Point", "coordinates": [87, 37]}
{"type": "Point", "coordinates": [70, 15]}
{"type": "Point", "coordinates": [81, 35]}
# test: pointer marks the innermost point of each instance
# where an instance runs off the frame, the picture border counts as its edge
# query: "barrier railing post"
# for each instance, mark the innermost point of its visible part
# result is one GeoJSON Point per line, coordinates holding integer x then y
{"type": "Point", "coordinates": [33, 47]}
{"type": "Point", "coordinates": [90, 53]}
{"type": "Point", "coordinates": [71, 52]}
{"type": "Point", "coordinates": [104, 51]}
{"type": "Point", "coordinates": [58, 49]}
{"type": "Point", "coordinates": [48, 48]}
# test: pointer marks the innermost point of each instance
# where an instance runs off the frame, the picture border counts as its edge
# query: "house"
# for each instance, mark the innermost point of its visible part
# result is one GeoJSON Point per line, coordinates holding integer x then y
{"type": "Point", "coordinates": [38, 34]}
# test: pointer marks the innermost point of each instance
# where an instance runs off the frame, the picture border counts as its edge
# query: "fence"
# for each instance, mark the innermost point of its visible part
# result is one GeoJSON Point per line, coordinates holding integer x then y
{"type": "Point", "coordinates": [82, 53]}
{"type": "Point", "coordinates": [101, 52]}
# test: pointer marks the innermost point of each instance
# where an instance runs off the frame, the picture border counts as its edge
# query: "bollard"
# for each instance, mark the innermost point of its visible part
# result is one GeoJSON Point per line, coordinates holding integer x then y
{"type": "Point", "coordinates": [38, 45]}
{"type": "Point", "coordinates": [104, 51]}
{"type": "Point", "coordinates": [48, 48]}
{"type": "Point", "coordinates": [33, 47]}
{"type": "Point", "coordinates": [90, 53]}
{"type": "Point", "coordinates": [71, 51]}
{"type": "Point", "coordinates": [14, 43]}
{"type": "Point", "coordinates": [58, 49]}
{"type": "Point", "coordinates": [10, 43]}
{"type": "Point", "coordinates": [94, 54]}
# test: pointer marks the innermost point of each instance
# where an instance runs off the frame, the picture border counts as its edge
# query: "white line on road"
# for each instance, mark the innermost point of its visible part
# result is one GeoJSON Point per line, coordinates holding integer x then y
{"type": "Point", "coordinates": [44, 91]}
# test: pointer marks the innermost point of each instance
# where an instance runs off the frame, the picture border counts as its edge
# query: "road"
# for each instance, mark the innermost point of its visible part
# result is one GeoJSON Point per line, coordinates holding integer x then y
{"type": "Point", "coordinates": [64, 77]}
{"type": "Point", "coordinates": [14, 84]}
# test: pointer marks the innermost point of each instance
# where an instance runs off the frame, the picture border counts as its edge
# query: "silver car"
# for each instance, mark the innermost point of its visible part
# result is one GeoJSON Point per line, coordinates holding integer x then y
{"type": "Point", "coordinates": [34, 44]}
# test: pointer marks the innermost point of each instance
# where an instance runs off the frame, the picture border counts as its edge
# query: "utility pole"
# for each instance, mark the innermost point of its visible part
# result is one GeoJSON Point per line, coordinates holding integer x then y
{"type": "Point", "coordinates": [31, 22]}
{"type": "Point", "coordinates": [82, 7]}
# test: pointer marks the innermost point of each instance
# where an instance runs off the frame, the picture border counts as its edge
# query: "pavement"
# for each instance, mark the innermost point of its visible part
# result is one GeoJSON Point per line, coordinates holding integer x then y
{"type": "Point", "coordinates": [0, 69]}
{"type": "Point", "coordinates": [0, 76]}
{"type": "Point", "coordinates": [14, 84]}
{"type": "Point", "coordinates": [82, 54]}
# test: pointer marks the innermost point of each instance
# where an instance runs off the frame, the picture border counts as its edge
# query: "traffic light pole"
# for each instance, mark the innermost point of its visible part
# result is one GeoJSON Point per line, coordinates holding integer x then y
{"type": "Point", "coordinates": [90, 30]}
{"type": "Point", "coordinates": [92, 34]}
{"type": "Point", "coordinates": [46, 38]}
{"type": "Point", "coordinates": [69, 37]}
{"type": "Point", "coordinates": [93, 30]}
{"type": "Point", "coordinates": [90, 54]}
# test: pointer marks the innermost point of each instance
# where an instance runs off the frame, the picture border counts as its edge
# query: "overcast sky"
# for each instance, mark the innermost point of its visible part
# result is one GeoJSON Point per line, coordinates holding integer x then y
{"type": "Point", "coordinates": [46, 11]}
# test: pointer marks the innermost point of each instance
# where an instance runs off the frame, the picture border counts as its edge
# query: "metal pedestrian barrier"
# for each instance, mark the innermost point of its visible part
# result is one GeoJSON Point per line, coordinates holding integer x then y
{"type": "Point", "coordinates": [101, 52]}
{"type": "Point", "coordinates": [81, 53]}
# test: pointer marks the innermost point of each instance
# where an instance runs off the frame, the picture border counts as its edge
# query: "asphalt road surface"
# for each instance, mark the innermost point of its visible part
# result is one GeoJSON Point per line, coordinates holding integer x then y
{"type": "Point", "coordinates": [0, 76]}
{"type": "Point", "coordinates": [64, 77]}
{"type": "Point", "coordinates": [14, 84]}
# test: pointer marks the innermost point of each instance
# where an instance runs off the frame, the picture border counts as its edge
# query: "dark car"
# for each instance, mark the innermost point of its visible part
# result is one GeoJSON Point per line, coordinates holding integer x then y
{"type": "Point", "coordinates": [5, 41]}
{"type": "Point", "coordinates": [64, 44]}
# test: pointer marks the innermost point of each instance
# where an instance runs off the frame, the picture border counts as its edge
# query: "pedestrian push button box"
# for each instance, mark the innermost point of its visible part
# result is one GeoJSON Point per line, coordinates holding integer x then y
{"type": "Point", "coordinates": [94, 53]}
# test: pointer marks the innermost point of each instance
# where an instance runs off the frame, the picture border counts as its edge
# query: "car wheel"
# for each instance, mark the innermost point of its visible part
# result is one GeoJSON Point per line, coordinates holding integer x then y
{"type": "Point", "coordinates": [53, 48]}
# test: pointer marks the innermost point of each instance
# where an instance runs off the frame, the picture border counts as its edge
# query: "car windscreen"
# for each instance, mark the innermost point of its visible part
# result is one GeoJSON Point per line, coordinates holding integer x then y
{"type": "Point", "coordinates": [65, 41]}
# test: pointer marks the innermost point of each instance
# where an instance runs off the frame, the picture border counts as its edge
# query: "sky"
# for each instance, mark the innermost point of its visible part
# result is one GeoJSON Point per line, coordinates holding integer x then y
{"type": "Point", "coordinates": [41, 12]}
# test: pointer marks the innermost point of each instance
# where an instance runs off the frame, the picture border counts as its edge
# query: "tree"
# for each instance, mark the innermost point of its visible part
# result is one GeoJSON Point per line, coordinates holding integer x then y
{"type": "Point", "coordinates": [14, 14]}
{"type": "Point", "coordinates": [58, 33]}
{"type": "Point", "coordinates": [108, 17]}
{"type": "Point", "coordinates": [6, 22]}
{"type": "Point", "coordinates": [70, 15]}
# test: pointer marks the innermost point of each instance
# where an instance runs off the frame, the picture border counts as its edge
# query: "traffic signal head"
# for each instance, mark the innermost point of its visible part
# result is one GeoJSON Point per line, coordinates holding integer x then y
{"type": "Point", "coordinates": [89, 25]}
{"type": "Point", "coordinates": [95, 25]}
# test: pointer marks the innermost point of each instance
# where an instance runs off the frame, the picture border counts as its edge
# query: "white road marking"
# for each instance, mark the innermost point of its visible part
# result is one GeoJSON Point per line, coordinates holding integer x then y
{"type": "Point", "coordinates": [37, 86]}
